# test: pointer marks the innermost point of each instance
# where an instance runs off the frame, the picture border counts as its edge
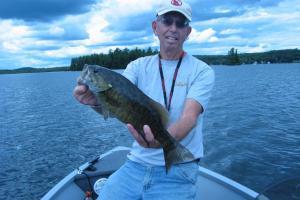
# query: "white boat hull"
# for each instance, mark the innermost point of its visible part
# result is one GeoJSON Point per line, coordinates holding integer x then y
{"type": "Point", "coordinates": [211, 186]}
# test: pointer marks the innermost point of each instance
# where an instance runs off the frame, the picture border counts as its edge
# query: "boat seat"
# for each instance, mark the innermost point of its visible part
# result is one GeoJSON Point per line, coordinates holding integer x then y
{"type": "Point", "coordinates": [102, 168]}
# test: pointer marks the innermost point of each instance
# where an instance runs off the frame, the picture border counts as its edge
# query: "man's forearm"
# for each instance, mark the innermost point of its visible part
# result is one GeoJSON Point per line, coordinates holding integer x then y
{"type": "Point", "coordinates": [182, 127]}
{"type": "Point", "coordinates": [187, 121]}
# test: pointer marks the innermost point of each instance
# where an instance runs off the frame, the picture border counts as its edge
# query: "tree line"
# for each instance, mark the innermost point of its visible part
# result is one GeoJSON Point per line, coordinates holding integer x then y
{"type": "Point", "coordinates": [118, 58]}
{"type": "Point", "coordinates": [234, 58]}
{"type": "Point", "coordinates": [115, 59]}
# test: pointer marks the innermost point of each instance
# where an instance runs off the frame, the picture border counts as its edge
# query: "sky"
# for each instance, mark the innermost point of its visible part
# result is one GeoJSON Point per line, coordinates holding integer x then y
{"type": "Point", "coordinates": [48, 33]}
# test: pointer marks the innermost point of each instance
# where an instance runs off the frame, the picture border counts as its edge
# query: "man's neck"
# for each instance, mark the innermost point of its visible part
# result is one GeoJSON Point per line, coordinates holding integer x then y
{"type": "Point", "coordinates": [171, 55]}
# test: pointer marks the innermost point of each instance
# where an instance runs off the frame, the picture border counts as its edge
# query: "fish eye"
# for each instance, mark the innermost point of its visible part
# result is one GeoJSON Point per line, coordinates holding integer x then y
{"type": "Point", "coordinates": [96, 70]}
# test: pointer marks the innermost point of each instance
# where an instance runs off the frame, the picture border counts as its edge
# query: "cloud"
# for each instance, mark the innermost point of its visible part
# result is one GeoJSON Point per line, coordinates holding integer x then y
{"type": "Point", "coordinates": [50, 32]}
{"type": "Point", "coordinates": [62, 32]}
{"type": "Point", "coordinates": [230, 31]}
{"type": "Point", "coordinates": [206, 10]}
{"type": "Point", "coordinates": [42, 10]}
{"type": "Point", "coordinates": [13, 36]}
{"type": "Point", "coordinates": [10, 30]}
{"type": "Point", "coordinates": [207, 35]}
{"type": "Point", "coordinates": [131, 27]}
{"type": "Point", "coordinates": [259, 29]}
{"type": "Point", "coordinates": [70, 51]}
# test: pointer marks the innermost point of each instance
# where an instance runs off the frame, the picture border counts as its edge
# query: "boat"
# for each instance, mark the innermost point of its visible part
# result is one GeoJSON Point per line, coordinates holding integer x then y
{"type": "Point", "coordinates": [86, 181]}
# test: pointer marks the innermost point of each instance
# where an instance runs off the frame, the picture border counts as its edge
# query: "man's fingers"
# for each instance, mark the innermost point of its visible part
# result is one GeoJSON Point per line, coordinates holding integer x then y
{"type": "Point", "coordinates": [80, 89]}
{"type": "Point", "coordinates": [136, 135]}
{"type": "Point", "coordinates": [148, 133]}
{"type": "Point", "coordinates": [152, 142]}
{"type": "Point", "coordinates": [132, 130]}
{"type": "Point", "coordinates": [84, 95]}
{"type": "Point", "coordinates": [150, 137]}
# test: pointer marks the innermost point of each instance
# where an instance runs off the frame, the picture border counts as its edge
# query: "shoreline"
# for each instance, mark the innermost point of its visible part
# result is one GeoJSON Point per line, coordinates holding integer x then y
{"type": "Point", "coordinates": [29, 70]}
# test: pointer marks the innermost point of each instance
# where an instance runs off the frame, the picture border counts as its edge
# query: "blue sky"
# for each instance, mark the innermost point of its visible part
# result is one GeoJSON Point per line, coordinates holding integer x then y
{"type": "Point", "coordinates": [48, 33]}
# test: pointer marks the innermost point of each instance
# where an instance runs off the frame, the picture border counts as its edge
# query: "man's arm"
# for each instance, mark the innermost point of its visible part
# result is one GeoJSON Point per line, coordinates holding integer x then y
{"type": "Point", "coordinates": [187, 121]}
{"type": "Point", "coordinates": [179, 129]}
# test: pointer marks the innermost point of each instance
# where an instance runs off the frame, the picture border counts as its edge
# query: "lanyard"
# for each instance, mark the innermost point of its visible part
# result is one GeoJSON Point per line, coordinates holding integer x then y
{"type": "Point", "coordinates": [173, 82]}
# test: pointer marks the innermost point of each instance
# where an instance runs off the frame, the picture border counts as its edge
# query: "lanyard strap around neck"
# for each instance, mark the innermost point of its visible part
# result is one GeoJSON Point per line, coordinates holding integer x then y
{"type": "Point", "coordinates": [168, 104]}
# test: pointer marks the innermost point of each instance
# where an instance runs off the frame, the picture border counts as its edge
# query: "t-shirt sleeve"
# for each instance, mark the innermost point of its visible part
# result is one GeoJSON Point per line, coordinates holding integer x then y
{"type": "Point", "coordinates": [201, 86]}
{"type": "Point", "coordinates": [131, 72]}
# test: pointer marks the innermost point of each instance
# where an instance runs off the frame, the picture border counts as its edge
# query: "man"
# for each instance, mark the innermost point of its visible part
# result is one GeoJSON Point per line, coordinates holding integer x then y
{"type": "Point", "coordinates": [183, 84]}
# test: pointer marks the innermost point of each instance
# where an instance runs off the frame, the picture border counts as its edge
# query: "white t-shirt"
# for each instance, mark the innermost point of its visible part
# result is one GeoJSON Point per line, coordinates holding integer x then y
{"type": "Point", "coordinates": [195, 80]}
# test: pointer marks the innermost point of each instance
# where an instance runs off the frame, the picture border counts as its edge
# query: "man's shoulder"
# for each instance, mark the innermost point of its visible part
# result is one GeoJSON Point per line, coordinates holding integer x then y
{"type": "Point", "coordinates": [140, 65]}
{"type": "Point", "coordinates": [197, 63]}
{"type": "Point", "coordinates": [145, 59]}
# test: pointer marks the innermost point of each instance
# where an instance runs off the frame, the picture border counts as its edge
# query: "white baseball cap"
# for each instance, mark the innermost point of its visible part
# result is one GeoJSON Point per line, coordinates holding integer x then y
{"type": "Point", "coordinates": [175, 5]}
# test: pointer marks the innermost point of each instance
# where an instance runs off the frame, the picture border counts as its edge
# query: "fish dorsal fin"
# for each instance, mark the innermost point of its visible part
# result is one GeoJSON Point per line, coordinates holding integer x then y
{"type": "Point", "coordinates": [164, 116]}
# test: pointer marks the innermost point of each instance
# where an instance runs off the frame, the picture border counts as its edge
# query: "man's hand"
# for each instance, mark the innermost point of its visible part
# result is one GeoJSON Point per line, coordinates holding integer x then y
{"type": "Point", "coordinates": [151, 142]}
{"type": "Point", "coordinates": [84, 95]}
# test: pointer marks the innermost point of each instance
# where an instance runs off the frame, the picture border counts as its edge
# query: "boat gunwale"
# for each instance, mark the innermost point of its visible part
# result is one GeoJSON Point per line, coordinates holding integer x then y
{"type": "Point", "coordinates": [229, 184]}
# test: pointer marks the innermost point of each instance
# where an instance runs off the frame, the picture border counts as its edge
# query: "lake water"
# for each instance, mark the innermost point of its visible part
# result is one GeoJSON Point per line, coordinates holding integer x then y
{"type": "Point", "coordinates": [252, 128]}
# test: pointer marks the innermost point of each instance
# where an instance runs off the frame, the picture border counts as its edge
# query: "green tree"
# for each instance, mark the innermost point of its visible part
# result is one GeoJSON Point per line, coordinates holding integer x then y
{"type": "Point", "coordinates": [233, 57]}
{"type": "Point", "coordinates": [115, 59]}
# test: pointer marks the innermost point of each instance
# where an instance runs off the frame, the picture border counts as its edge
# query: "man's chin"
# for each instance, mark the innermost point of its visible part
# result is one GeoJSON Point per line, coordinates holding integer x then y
{"type": "Point", "coordinates": [172, 45]}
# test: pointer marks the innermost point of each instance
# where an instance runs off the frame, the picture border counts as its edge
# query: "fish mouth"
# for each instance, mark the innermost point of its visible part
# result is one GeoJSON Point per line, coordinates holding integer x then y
{"type": "Point", "coordinates": [91, 77]}
{"type": "Point", "coordinates": [81, 81]}
{"type": "Point", "coordinates": [85, 79]}
{"type": "Point", "coordinates": [85, 76]}
{"type": "Point", "coordinates": [89, 84]}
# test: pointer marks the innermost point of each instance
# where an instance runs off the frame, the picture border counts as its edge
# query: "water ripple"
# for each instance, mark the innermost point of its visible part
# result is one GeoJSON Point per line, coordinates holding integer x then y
{"type": "Point", "coordinates": [251, 132]}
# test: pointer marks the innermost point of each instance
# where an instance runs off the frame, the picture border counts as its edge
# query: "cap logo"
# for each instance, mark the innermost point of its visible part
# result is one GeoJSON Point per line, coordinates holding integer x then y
{"type": "Point", "coordinates": [176, 2]}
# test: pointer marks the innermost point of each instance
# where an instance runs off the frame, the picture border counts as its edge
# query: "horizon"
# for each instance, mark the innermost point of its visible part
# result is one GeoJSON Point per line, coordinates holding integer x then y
{"type": "Point", "coordinates": [67, 66]}
{"type": "Point", "coordinates": [48, 34]}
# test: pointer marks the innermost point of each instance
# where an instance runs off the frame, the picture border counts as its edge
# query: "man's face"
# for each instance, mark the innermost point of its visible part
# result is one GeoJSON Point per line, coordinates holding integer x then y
{"type": "Point", "coordinates": [172, 29]}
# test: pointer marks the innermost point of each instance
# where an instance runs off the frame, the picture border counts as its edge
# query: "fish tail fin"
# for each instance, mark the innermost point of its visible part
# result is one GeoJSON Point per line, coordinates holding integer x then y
{"type": "Point", "coordinates": [176, 155]}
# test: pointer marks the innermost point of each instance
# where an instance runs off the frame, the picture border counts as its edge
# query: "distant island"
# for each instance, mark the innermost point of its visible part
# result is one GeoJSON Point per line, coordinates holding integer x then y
{"type": "Point", "coordinates": [269, 57]}
{"type": "Point", "coordinates": [33, 70]}
{"type": "Point", "coordinates": [118, 58]}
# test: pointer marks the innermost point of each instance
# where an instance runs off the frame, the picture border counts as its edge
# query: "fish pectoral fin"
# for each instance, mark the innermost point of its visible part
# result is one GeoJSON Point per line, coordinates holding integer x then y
{"type": "Point", "coordinates": [105, 113]}
{"type": "Point", "coordinates": [96, 89]}
{"type": "Point", "coordinates": [106, 87]}
{"type": "Point", "coordinates": [162, 112]}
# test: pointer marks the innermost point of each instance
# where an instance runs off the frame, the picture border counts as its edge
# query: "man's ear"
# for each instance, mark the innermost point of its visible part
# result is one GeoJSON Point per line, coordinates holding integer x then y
{"type": "Point", "coordinates": [188, 32]}
{"type": "Point", "coordinates": [154, 27]}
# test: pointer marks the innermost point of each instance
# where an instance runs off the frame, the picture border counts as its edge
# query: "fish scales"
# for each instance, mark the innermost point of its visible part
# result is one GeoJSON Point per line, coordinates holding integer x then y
{"type": "Point", "coordinates": [120, 98]}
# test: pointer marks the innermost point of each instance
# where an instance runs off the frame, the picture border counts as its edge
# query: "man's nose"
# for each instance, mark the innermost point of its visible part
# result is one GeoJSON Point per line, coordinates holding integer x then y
{"type": "Point", "coordinates": [173, 26]}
